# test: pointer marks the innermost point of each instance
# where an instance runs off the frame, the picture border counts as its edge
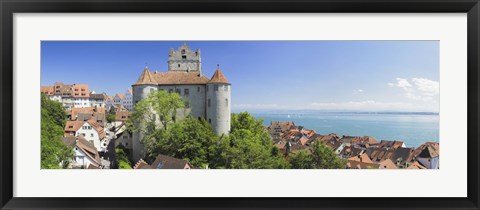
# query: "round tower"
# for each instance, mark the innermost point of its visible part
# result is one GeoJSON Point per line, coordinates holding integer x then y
{"type": "Point", "coordinates": [218, 103]}
{"type": "Point", "coordinates": [145, 84]}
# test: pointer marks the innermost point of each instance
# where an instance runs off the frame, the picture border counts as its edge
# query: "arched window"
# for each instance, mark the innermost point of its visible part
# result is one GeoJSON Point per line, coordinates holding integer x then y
{"type": "Point", "coordinates": [183, 51]}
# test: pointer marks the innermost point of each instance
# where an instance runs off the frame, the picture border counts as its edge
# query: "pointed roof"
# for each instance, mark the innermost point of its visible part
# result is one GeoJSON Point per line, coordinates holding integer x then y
{"type": "Point", "coordinates": [218, 77]}
{"type": "Point", "coordinates": [146, 78]}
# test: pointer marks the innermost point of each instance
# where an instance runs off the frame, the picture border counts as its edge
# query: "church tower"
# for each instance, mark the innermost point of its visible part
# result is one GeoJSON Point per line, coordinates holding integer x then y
{"type": "Point", "coordinates": [184, 59]}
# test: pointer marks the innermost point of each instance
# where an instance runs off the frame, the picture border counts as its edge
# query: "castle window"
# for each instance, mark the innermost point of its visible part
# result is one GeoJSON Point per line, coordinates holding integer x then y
{"type": "Point", "coordinates": [209, 120]}
{"type": "Point", "coordinates": [226, 102]}
{"type": "Point", "coordinates": [199, 118]}
{"type": "Point", "coordinates": [225, 87]}
{"type": "Point", "coordinates": [183, 51]}
{"type": "Point", "coordinates": [215, 87]}
{"type": "Point", "coordinates": [208, 103]}
{"type": "Point", "coordinates": [178, 65]}
{"type": "Point", "coordinates": [198, 89]}
{"type": "Point", "coordinates": [184, 57]}
{"type": "Point", "coordinates": [186, 91]}
{"type": "Point", "coordinates": [173, 118]}
{"type": "Point", "coordinates": [170, 90]}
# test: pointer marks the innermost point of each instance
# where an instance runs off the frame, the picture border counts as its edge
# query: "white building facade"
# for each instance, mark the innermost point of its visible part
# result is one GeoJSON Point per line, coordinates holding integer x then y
{"type": "Point", "coordinates": [127, 100]}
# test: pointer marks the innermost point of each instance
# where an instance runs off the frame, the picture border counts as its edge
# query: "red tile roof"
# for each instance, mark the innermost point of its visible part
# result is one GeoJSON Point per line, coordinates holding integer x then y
{"type": "Point", "coordinates": [218, 77]}
{"type": "Point", "coordinates": [48, 90]}
{"type": "Point", "coordinates": [171, 78]}
{"type": "Point", "coordinates": [145, 78]}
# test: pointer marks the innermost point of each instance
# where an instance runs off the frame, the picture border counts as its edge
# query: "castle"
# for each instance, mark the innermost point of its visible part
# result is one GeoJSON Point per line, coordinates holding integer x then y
{"type": "Point", "coordinates": [207, 98]}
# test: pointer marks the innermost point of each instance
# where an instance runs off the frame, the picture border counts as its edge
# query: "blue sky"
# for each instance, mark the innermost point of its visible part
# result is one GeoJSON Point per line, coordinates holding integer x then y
{"type": "Point", "coordinates": [323, 75]}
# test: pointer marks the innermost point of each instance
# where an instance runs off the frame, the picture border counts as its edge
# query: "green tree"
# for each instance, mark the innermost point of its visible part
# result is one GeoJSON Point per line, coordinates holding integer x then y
{"type": "Point", "coordinates": [110, 117]}
{"type": "Point", "coordinates": [144, 120]}
{"type": "Point", "coordinates": [301, 160]}
{"type": "Point", "coordinates": [189, 139]}
{"type": "Point", "coordinates": [319, 156]}
{"type": "Point", "coordinates": [122, 159]}
{"type": "Point", "coordinates": [54, 153]}
{"type": "Point", "coordinates": [54, 110]}
{"type": "Point", "coordinates": [249, 145]}
{"type": "Point", "coordinates": [160, 103]}
{"type": "Point", "coordinates": [324, 157]}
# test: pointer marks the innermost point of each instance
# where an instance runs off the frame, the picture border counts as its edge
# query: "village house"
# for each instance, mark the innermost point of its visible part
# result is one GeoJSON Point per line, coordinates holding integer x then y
{"type": "Point", "coordinates": [119, 97]}
{"type": "Point", "coordinates": [164, 162]}
{"type": "Point", "coordinates": [332, 138]}
{"type": "Point", "coordinates": [141, 164]}
{"type": "Point", "coordinates": [276, 129]}
{"type": "Point", "coordinates": [416, 165]}
{"type": "Point", "coordinates": [76, 95]}
{"type": "Point", "coordinates": [124, 140]}
{"type": "Point", "coordinates": [387, 164]}
{"type": "Point", "coordinates": [109, 103]}
{"type": "Point", "coordinates": [98, 99]}
{"type": "Point", "coordinates": [127, 100]}
{"type": "Point", "coordinates": [86, 155]}
{"type": "Point", "coordinates": [92, 131]}
{"type": "Point", "coordinates": [429, 155]}
{"type": "Point", "coordinates": [121, 116]}
{"type": "Point", "coordinates": [358, 139]}
{"type": "Point", "coordinates": [84, 114]}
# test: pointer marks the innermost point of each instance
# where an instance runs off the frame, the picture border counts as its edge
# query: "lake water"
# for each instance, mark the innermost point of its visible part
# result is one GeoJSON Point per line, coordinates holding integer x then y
{"type": "Point", "coordinates": [412, 128]}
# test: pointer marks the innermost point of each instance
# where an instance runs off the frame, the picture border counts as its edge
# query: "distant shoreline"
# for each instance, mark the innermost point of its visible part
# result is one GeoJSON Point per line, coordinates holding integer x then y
{"type": "Point", "coordinates": [333, 112]}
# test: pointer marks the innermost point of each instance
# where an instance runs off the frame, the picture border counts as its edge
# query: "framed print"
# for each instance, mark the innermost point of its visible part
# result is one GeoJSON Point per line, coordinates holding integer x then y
{"type": "Point", "coordinates": [268, 104]}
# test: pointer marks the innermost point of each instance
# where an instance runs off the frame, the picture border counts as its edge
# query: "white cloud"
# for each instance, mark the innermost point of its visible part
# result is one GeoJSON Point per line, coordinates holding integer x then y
{"type": "Point", "coordinates": [357, 91]}
{"type": "Point", "coordinates": [427, 87]}
{"type": "Point", "coordinates": [423, 89]}
{"type": "Point", "coordinates": [404, 84]}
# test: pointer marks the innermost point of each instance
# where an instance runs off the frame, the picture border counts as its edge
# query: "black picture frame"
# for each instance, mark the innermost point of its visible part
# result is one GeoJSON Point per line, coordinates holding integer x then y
{"type": "Point", "coordinates": [10, 7]}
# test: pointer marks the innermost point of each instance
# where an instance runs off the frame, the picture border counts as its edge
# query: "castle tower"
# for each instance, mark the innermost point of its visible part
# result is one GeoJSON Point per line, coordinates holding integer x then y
{"type": "Point", "coordinates": [184, 59]}
{"type": "Point", "coordinates": [218, 103]}
{"type": "Point", "coordinates": [145, 85]}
